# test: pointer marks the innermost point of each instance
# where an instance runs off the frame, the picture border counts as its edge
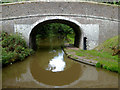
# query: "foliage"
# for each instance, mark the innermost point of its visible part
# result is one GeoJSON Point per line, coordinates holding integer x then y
{"type": "Point", "coordinates": [98, 65]}
{"type": "Point", "coordinates": [115, 3]}
{"type": "Point", "coordinates": [10, 1]}
{"type": "Point", "coordinates": [14, 48]}
{"type": "Point", "coordinates": [102, 54]}
{"type": "Point", "coordinates": [105, 60]}
{"type": "Point", "coordinates": [2, 2]}
{"type": "Point", "coordinates": [70, 38]}
{"type": "Point", "coordinates": [49, 30]}
{"type": "Point", "coordinates": [57, 30]}
{"type": "Point", "coordinates": [107, 45]}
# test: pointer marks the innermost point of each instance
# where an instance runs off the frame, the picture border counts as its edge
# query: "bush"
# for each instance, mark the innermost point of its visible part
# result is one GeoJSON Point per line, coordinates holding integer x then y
{"type": "Point", "coordinates": [105, 67]}
{"type": "Point", "coordinates": [98, 65]}
{"type": "Point", "coordinates": [14, 48]}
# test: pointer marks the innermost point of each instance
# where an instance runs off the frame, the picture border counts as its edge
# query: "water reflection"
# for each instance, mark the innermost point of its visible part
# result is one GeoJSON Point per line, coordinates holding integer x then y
{"type": "Point", "coordinates": [49, 67]}
{"type": "Point", "coordinates": [52, 67]}
{"type": "Point", "coordinates": [57, 64]}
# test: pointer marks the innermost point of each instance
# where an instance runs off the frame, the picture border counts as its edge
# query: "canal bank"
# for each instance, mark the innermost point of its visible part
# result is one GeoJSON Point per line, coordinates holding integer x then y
{"type": "Point", "coordinates": [35, 72]}
{"type": "Point", "coordinates": [49, 67]}
{"type": "Point", "coordinates": [72, 55]}
{"type": "Point", "coordinates": [104, 56]}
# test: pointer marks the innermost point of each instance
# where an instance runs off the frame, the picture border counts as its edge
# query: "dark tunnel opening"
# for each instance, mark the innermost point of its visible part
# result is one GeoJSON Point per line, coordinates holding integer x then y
{"type": "Point", "coordinates": [75, 27]}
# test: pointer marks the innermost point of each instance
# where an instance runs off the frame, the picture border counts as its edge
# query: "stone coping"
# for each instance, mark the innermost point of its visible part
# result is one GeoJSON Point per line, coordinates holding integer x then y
{"type": "Point", "coordinates": [79, 59]}
{"type": "Point", "coordinates": [67, 1]}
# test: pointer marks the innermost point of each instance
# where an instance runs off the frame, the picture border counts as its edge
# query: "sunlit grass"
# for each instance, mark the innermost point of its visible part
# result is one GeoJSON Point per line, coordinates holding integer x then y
{"type": "Point", "coordinates": [108, 61]}
{"type": "Point", "coordinates": [102, 54]}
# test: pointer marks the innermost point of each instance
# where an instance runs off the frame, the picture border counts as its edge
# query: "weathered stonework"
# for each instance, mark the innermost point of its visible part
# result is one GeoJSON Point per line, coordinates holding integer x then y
{"type": "Point", "coordinates": [95, 21]}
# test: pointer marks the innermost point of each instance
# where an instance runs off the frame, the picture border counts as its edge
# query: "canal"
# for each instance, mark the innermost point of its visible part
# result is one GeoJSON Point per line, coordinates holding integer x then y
{"type": "Point", "coordinates": [49, 67]}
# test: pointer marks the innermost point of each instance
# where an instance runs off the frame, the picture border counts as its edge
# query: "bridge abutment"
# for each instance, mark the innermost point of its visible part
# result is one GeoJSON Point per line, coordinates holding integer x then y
{"type": "Point", "coordinates": [91, 31]}
{"type": "Point", "coordinates": [97, 22]}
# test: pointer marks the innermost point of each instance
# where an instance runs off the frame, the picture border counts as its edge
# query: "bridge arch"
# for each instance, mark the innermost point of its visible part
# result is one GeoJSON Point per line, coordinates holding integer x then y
{"type": "Point", "coordinates": [70, 22]}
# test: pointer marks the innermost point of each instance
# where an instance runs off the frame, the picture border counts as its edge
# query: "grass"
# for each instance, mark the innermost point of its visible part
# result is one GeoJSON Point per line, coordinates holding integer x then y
{"type": "Point", "coordinates": [102, 54]}
{"type": "Point", "coordinates": [106, 46]}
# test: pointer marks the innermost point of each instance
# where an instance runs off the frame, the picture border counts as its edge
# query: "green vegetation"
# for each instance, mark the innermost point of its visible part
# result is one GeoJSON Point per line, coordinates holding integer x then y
{"type": "Point", "coordinates": [10, 1]}
{"type": "Point", "coordinates": [53, 29]}
{"type": "Point", "coordinates": [114, 3]}
{"type": "Point", "coordinates": [98, 65]}
{"type": "Point", "coordinates": [102, 54]}
{"type": "Point", "coordinates": [13, 48]}
{"type": "Point", "coordinates": [57, 30]}
{"type": "Point", "coordinates": [5, 2]}
{"type": "Point", "coordinates": [70, 38]}
{"type": "Point", "coordinates": [107, 45]}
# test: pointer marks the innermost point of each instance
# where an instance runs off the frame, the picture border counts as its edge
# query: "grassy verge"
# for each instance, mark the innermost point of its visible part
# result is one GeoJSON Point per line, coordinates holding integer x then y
{"type": "Point", "coordinates": [102, 54]}
{"type": "Point", "coordinates": [13, 48]}
{"type": "Point", "coordinates": [106, 46]}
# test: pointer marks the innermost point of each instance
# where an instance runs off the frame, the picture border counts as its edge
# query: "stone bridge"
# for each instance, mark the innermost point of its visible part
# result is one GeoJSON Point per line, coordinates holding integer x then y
{"type": "Point", "coordinates": [95, 21]}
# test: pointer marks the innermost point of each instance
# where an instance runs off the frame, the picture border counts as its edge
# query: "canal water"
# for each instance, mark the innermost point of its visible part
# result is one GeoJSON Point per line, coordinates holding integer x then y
{"type": "Point", "coordinates": [49, 67]}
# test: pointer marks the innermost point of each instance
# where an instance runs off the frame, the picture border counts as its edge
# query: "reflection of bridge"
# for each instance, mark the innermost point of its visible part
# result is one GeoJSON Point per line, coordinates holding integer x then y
{"type": "Point", "coordinates": [97, 22]}
{"type": "Point", "coordinates": [23, 76]}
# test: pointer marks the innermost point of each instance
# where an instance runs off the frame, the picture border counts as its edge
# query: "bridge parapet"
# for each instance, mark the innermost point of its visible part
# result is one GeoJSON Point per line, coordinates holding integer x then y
{"type": "Point", "coordinates": [82, 9]}
{"type": "Point", "coordinates": [94, 21]}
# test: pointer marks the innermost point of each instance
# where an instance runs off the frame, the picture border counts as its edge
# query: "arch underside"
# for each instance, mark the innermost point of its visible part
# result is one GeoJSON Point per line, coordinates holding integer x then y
{"type": "Point", "coordinates": [76, 28]}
